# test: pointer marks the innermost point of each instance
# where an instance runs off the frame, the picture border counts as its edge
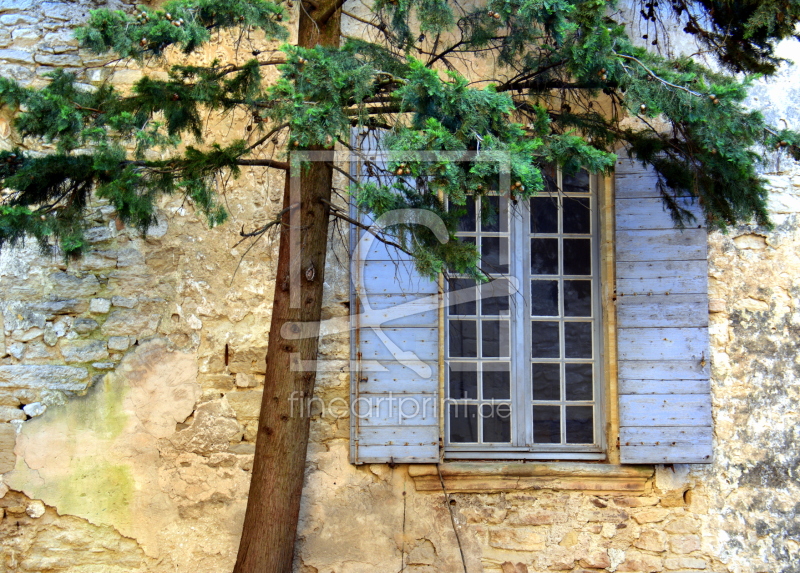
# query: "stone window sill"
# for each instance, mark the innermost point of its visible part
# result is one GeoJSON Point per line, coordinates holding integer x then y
{"type": "Point", "coordinates": [497, 477]}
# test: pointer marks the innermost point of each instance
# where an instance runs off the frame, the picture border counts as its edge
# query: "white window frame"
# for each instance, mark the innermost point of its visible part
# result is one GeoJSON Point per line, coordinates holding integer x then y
{"type": "Point", "coordinates": [522, 445]}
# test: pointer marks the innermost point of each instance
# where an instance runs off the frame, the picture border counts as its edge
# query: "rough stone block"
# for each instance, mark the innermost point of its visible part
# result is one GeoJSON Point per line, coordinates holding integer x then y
{"type": "Point", "coordinates": [246, 380]}
{"type": "Point", "coordinates": [27, 335]}
{"type": "Point", "coordinates": [66, 285]}
{"type": "Point", "coordinates": [37, 376]}
{"type": "Point", "coordinates": [525, 516]}
{"type": "Point", "coordinates": [640, 562]}
{"type": "Point", "coordinates": [517, 539]}
{"type": "Point", "coordinates": [17, 20]}
{"type": "Point", "coordinates": [7, 398]}
{"type": "Point", "coordinates": [247, 405]}
{"type": "Point", "coordinates": [99, 305]}
{"type": "Point", "coordinates": [119, 343]}
{"type": "Point", "coordinates": [84, 325]}
{"type": "Point", "coordinates": [99, 234]}
{"type": "Point", "coordinates": [652, 515]}
{"type": "Point", "coordinates": [59, 60]}
{"type": "Point", "coordinates": [84, 350]}
{"type": "Point", "coordinates": [16, 56]}
{"type": "Point", "coordinates": [35, 409]}
{"type": "Point", "coordinates": [8, 438]}
{"type": "Point", "coordinates": [129, 258]}
{"type": "Point", "coordinates": [130, 322]}
{"type": "Point", "coordinates": [123, 302]}
{"type": "Point", "coordinates": [15, 6]}
{"type": "Point", "coordinates": [684, 543]}
{"type": "Point", "coordinates": [651, 540]}
{"type": "Point", "coordinates": [683, 563]}
{"type": "Point", "coordinates": [67, 306]}
{"type": "Point", "coordinates": [249, 360]}
{"type": "Point", "coordinates": [98, 260]}
{"type": "Point", "coordinates": [8, 413]}
{"type": "Point", "coordinates": [595, 560]}
{"type": "Point", "coordinates": [682, 525]}
{"type": "Point", "coordinates": [20, 316]}
{"type": "Point", "coordinates": [35, 509]}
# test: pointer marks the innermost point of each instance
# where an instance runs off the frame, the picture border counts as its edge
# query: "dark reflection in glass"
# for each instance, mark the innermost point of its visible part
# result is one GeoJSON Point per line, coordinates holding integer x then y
{"type": "Point", "coordinates": [496, 422]}
{"type": "Point", "coordinates": [544, 215]}
{"type": "Point", "coordinates": [468, 308]}
{"type": "Point", "coordinates": [577, 256]}
{"type": "Point", "coordinates": [495, 338]}
{"type": "Point", "coordinates": [578, 339]}
{"type": "Point", "coordinates": [580, 425]}
{"type": "Point", "coordinates": [577, 298]}
{"type": "Point", "coordinates": [463, 338]}
{"type": "Point", "coordinates": [494, 217]}
{"type": "Point", "coordinates": [578, 381]}
{"type": "Point", "coordinates": [544, 256]}
{"type": "Point", "coordinates": [463, 380]}
{"type": "Point", "coordinates": [466, 224]}
{"type": "Point", "coordinates": [544, 340]}
{"type": "Point", "coordinates": [463, 423]}
{"type": "Point", "coordinates": [576, 214]}
{"type": "Point", "coordinates": [578, 183]}
{"type": "Point", "coordinates": [547, 424]}
{"type": "Point", "coordinates": [546, 381]}
{"type": "Point", "coordinates": [544, 298]}
{"type": "Point", "coordinates": [496, 381]}
{"type": "Point", "coordinates": [494, 254]}
{"type": "Point", "coordinates": [495, 306]}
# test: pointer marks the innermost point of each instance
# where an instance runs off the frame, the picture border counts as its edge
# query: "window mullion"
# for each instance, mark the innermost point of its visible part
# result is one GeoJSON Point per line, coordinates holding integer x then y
{"type": "Point", "coordinates": [519, 364]}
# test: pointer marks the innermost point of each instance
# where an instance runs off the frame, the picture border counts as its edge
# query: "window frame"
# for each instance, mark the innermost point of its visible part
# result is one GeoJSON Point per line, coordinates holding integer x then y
{"type": "Point", "coordinates": [522, 446]}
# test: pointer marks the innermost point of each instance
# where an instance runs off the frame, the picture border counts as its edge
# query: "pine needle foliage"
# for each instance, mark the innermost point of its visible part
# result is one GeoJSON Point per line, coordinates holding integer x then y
{"type": "Point", "coordinates": [568, 87]}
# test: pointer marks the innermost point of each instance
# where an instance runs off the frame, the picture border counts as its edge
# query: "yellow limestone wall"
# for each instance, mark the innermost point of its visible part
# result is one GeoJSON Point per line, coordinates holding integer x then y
{"type": "Point", "coordinates": [130, 386]}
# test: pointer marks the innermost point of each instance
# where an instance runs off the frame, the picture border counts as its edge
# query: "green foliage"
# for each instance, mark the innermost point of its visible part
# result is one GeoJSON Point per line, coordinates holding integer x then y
{"type": "Point", "coordinates": [567, 87]}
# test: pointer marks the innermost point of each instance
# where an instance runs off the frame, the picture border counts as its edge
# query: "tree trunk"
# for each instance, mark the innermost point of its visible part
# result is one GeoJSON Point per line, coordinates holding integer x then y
{"type": "Point", "coordinates": [273, 505]}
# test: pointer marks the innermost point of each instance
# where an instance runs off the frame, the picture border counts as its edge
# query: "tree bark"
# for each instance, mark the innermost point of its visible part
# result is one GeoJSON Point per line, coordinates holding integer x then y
{"type": "Point", "coordinates": [273, 505]}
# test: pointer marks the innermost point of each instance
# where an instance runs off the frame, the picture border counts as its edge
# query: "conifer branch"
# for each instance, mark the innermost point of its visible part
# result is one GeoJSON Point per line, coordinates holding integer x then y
{"type": "Point", "coordinates": [654, 76]}
{"type": "Point", "coordinates": [338, 213]}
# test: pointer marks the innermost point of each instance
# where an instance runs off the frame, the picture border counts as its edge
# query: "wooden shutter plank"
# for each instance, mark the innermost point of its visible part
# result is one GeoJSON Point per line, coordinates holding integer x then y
{"type": "Point", "coordinates": [411, 454]}
{"type": "Point", "coordinates": [661, 370]}
{"type": "Point", "coordinates": [659, 310]}
{"type": "Point", "coordinates": [395, 310]}
{"type": "Point", "coordinates": [395, 411]}
{"type": "Point", "coordinates": [661, 245]}
{"type": "Point", "coordinates": [423, 342]}
{"type": "Point", "coordinates": [391, 277]}
{"type": "Point", "coordinates": [411, 436]}
{"type": "Point", "coordinates": [662, 343]}
{"type": "Point", "coordinates": [396, 378]}
{"type": "Point", "coordinates": [646, 410]}
{"type": "Point", "coordinates": [662, 277]}
{"type": "Point", "coordinates": [668, 386]}
{"type": "Point", "coordinates": [662, 327]}
{"type": "Point", "coordinates": [651, 213]}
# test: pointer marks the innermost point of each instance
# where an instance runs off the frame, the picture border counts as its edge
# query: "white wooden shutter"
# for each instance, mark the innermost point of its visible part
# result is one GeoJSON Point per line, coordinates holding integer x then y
{"type": "Point", "coordinates": [394, 387]}
{"type": "Point", "coordinates": [662, 321]}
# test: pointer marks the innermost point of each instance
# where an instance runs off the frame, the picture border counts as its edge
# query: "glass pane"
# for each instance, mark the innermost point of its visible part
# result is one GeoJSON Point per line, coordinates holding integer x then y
{"type": "Point", "coordinates": [466, 224]}
{"type": "Point", "coordinates": [496, 381]}
{"type": "Point", "coordinates": [544, 215]}
{"type": "Point", "coordinates": [546, 381]}
{"type": "Point", "coordinates": [494, 254]}
{"type": "Point", "coordinates": [463, 381]}
{"type": "Point", "coordinates": [495, 338]}
{"type": "Point", "coordinates": [577, 298]}
{"type": "Point", "coordinates": [463, 423]}
{"type": "Point", "coordinates": [547, 424]}
{"type": "Point", "coordinates": [544, 298]}
{"type": "Point", "coordinates": [580, 425]}
{"type": "Point", "coordinates": [467, 308]}
{"type": "Point", "coordinates": [544, 340]}
{"type": "Point", "coordinates": [578, 339]}
{"type": "Point", "coordinates": [494, 216]}
{"type": "Point", "coordinates": [544, 256]}
{"type": "Point", "coordinates": [578, 381]}
{"type": "Point", "coordinates": [577, 256]}
{"type": "Point", "coordinates": [463, 338]}
{"type": "Point", "coordinates": [496, 422]}
{"type": "Point", "coordinates": [496, 306]}
{"type": "Point", "coordinates": [550, 176]}
{"type": "Point", "coordinates": [576, 215]}
{"type": "Point", "coordinates": [578, 183]}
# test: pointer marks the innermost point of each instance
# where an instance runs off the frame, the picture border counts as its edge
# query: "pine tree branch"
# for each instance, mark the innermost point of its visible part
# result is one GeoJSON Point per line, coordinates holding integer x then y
{"type": "Point", "coordinates": [338, 213]}
{"type": "Point", "coordinates": [654, 76]}
{"type": "Point", "coordinates": [271, 163]}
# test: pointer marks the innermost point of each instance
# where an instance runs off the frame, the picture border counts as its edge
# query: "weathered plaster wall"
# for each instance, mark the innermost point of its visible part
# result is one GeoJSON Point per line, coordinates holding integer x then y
{"type": "Point", "coordinates": [129, 391]}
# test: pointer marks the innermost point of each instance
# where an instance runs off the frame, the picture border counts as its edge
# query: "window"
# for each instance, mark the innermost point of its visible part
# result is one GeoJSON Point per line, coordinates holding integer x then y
{"type": "Point", "coordinates": [523, 368]}
{"type": "Point", "coordinates": [526, 360]}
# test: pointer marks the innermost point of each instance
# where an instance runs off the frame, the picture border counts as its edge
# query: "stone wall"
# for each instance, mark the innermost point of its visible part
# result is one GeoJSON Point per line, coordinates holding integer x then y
{"type": "Point", "coordinates": [130, 386]}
